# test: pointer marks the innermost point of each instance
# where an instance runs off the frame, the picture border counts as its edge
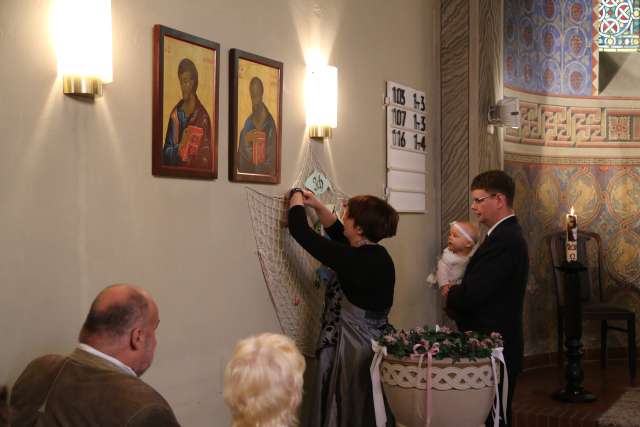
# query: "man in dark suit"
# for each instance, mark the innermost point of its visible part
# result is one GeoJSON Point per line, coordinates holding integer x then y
{"type": "Point", "coordinates": [491, 295]}
{"type": "Point", "coordinates": [98, 383]}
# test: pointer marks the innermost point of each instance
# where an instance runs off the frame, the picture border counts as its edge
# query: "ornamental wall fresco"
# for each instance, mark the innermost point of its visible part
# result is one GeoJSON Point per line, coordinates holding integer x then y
{"type": "Point", "coordinates": [550, 46]}
{"type": "Point", "coordinates": [606, 196]}
{"type": "Point", "coordinates": [581, 152]}
{"type": "Point", "coordinates": [578, 150]}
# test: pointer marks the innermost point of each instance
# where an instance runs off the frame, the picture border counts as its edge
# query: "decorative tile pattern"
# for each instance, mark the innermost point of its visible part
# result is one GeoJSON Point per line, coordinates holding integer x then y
{"type": "Point", "coordinates": [549, 46]}
{"type": "Point", "coordinates": [554, 123]}
{"type": "Point", "coordinates": [571, 126]}
{"type": "Point", "coordinates": [530, 122]}
{"type": "Point", "coordinates": [619, 128]}
{"type": "Point", "coordinates": [587, 124]}
{"type": "Point", "coordinates": [619, 25]}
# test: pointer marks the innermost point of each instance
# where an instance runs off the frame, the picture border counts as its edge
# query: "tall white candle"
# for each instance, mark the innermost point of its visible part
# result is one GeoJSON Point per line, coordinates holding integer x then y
{"type": "Point", "coordinates": [572, 236]}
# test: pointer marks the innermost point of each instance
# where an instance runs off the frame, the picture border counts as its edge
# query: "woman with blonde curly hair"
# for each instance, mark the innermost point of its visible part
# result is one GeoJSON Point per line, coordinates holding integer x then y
{"type": "Point", "coordinates": [263, 382]}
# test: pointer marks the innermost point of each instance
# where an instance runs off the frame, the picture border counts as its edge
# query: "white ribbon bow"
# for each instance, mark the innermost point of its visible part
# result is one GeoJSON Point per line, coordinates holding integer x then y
{"type": "Point", "coordinates": [427, 403]}
{"type": "Point", "coordinates": [497, 353]}
{"type": "Point", "coordinates": [379, 352]}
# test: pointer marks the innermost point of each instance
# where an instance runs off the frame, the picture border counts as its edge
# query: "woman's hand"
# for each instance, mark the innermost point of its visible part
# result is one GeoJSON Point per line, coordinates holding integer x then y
{"type": "Point", "coordinates": [296, 197]}
{"type": "Point", "coordinates": [309, 199]}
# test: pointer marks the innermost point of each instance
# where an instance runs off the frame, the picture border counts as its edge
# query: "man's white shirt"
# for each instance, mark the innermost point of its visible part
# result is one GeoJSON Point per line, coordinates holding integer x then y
{"type": "Point", "coordinates": [124, 368]}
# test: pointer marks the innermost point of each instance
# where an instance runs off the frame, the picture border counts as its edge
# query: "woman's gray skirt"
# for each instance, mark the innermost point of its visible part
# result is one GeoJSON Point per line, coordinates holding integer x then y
{"type": "Point", "coordinates": [344, 396]}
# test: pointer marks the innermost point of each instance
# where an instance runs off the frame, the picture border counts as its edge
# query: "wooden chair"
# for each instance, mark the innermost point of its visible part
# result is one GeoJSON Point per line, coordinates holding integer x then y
{"type": "Point", "coordinates": [594, 305]}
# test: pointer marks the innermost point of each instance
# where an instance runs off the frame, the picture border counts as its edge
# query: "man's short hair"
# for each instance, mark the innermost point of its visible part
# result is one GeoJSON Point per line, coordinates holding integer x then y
{"type": "Point", "coordinates": [187, 65]}
{"type": "Point", "coordinates": [263, 381]}
{"type": "Point", "coordinates": [495, 181]}
{"type": "Point", "coordinates": [377, 218]}
{"type": "Point", "coordinates": [117, 318]}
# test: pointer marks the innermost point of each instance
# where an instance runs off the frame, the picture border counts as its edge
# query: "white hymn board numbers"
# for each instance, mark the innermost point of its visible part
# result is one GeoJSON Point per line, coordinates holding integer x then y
{"type": "Point", "coordinates": [406, 147]}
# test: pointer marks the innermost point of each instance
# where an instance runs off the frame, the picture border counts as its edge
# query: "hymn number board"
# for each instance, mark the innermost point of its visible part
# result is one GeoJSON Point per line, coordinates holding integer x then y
{"type": "Point", "coordinates": [406, 118]}
{"type": "Point", "coordinates": [406, 147]}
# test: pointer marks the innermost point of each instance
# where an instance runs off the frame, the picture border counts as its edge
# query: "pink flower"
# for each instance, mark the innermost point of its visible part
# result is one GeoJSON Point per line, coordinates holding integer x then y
{"type": "Point", "coordinates": [390, 339]}
{"type": "Point", "coordinates": [496, 336]}
{"type": "Point", "coordinates": [444, 330]}
{"type": "Point", "coordinates": [419, 330]}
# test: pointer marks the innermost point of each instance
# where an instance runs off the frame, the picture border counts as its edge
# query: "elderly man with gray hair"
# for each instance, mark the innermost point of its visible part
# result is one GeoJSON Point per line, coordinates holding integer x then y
{"type": "Point", "coordinates": [98, 384]}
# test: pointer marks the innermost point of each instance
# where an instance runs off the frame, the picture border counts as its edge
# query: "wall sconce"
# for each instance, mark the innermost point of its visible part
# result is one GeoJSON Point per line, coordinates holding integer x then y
{"type": "Point", "coordinates": [82, 30]}
{"type": "Point", "coordinates": [321, 100]}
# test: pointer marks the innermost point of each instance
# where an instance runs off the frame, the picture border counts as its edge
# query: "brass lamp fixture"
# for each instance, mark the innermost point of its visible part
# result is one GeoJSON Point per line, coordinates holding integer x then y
{"type": "Point", "coordinates": [321, 100]}
{"type": "Point", "coordinates": [82, 31]}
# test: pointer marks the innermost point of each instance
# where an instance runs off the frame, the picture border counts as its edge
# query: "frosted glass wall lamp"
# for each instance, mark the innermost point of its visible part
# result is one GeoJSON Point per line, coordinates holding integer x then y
{"type": "Point", "coordinates": [321, 100]}
{"type": "Point", "coordinates": [82, 31]}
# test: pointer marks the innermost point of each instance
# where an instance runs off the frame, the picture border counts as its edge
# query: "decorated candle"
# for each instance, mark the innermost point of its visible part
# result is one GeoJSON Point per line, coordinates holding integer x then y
{"type": "Point", "coordinates": [572, 236]}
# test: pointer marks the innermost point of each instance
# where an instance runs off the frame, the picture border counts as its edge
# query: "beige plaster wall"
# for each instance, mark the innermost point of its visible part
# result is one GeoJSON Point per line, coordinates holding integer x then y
{"type": "Point", "coordinates": [81, 210]}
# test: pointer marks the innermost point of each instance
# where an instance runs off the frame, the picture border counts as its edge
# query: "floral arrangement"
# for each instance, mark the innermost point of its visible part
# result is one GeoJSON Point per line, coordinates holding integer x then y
{"type": "Point", "coordinates": [441, 342]}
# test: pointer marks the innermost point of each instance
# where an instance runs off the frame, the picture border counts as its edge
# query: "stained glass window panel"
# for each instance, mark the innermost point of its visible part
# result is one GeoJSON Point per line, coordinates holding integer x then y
{"type": "Point", "coordinates": [619, 25]}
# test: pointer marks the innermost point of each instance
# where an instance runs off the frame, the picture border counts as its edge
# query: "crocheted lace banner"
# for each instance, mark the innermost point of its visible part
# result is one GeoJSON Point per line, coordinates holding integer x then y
{"type": "Point", "coordinates": [288, 270]}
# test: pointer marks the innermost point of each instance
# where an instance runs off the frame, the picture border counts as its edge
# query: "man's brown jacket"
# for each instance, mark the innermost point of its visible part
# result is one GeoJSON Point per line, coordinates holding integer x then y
{"type": "Point", "coordinates": [84, 390]}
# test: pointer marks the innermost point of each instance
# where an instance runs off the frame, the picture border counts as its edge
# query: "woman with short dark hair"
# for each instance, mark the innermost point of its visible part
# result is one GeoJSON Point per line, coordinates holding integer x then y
{"type": "Point", "coordinates": [366, 277]}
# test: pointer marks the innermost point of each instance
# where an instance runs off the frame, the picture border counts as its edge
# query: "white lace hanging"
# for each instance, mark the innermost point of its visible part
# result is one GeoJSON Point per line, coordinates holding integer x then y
{"type": "Point", "coordinates": [289, 271]}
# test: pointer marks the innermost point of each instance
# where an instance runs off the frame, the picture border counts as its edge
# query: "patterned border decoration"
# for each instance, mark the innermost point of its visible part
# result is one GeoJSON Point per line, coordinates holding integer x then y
{"type": "Point", "coordinates": [595, 53]}
{"type": "Point", "coordinates": [566, 160]}
{"type": "Point", "coordinates": [572, 126]}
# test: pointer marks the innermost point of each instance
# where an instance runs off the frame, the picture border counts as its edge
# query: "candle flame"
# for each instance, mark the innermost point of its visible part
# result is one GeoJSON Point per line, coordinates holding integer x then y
{"type": "Point", "coordinates": [572, 211]}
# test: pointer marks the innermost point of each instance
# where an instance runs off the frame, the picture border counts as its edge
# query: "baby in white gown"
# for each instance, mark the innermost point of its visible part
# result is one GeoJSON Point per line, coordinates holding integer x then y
{"type": "Point", "coordinates": [462, 242]}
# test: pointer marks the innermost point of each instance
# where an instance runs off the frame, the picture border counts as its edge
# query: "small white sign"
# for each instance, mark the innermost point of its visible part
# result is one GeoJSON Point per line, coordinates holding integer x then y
{"type": "Point", "coordinates": [399, 139]}
{"type": "Point", "coordinates": [404, 201]}
{"type": "Point", "coordinates": [317, 182]}
{"type": "Point", "coordinates": [401, 118]}
{"type": "Point", "coordinates": [405, 161]}
{"type": "Point", "coordinates": [406, 97]}
{"type": "Point", "coordinates": [406, 181]}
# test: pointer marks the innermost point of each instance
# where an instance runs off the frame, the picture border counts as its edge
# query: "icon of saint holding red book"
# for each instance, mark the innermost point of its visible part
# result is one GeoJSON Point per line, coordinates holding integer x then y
{"type": "Point", "coordinates": [257, 141]}
{"type": "Point", "coordinates": [188, 138]}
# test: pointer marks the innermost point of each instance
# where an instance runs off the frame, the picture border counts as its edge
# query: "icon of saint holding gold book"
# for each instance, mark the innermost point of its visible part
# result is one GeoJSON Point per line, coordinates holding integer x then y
{"type": "Point", "coordinates": [188, 139]}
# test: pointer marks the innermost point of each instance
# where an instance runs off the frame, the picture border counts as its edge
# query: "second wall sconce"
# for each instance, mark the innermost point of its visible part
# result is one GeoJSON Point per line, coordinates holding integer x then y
{"type": "Point", "coordinates": [321, 100]}
{"type": "Point", "coordinates": [82, 30]}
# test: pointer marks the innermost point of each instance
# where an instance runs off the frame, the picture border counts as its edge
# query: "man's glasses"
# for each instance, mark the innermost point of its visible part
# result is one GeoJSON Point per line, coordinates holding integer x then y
{"type": "Point", "coordinates": [478, 200]}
